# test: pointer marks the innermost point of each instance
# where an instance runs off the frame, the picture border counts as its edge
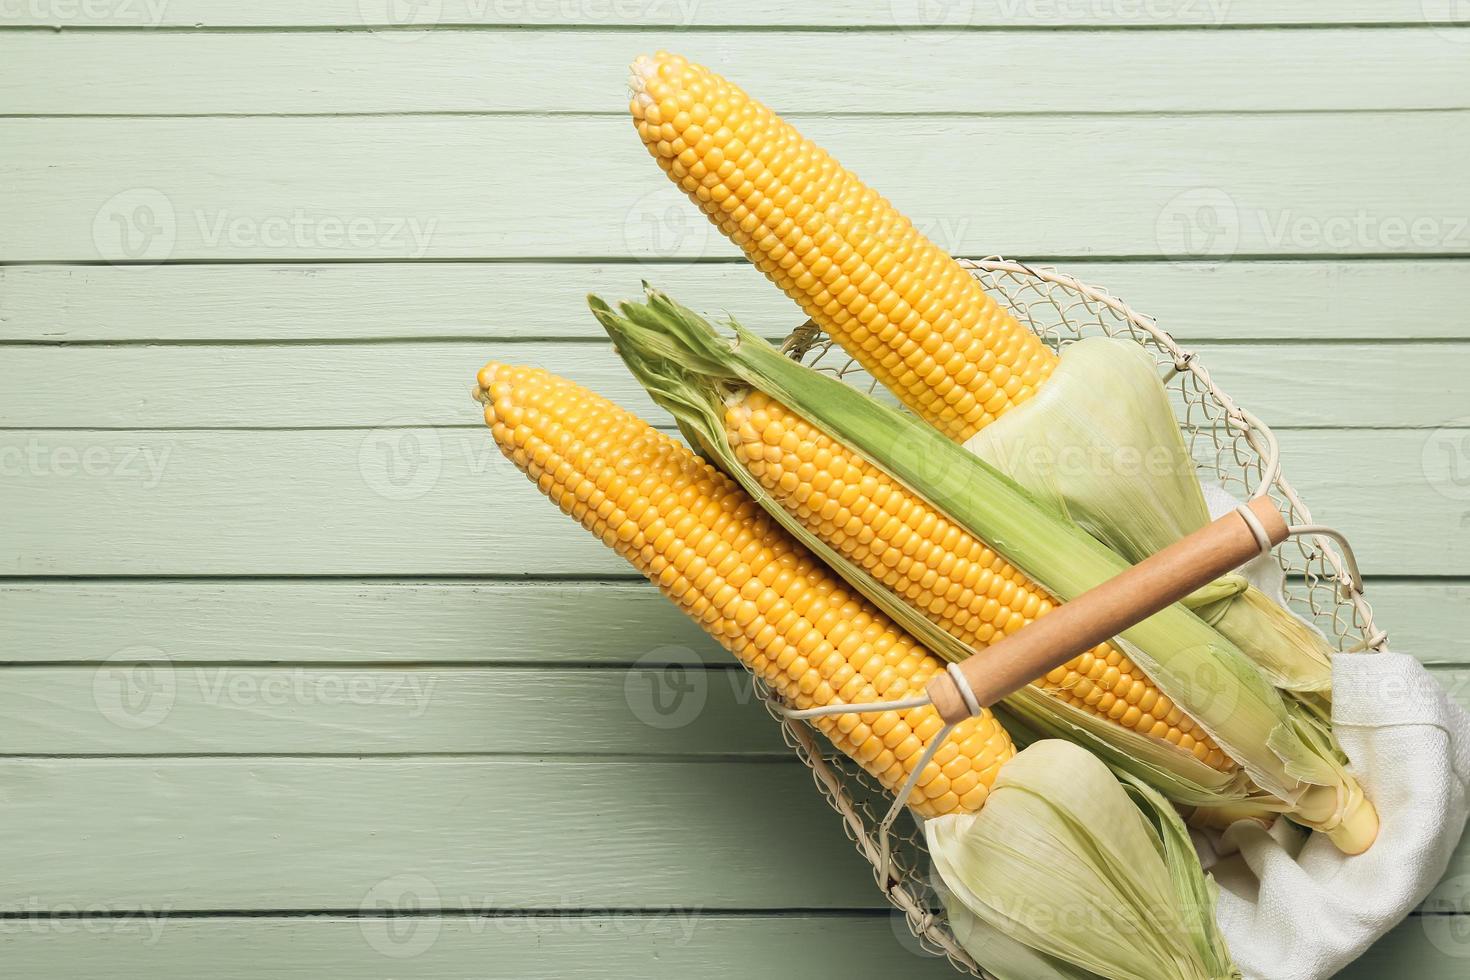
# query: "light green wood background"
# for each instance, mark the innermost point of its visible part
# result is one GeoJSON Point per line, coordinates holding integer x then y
{"type": "Point", "coordinates": [302, 681]}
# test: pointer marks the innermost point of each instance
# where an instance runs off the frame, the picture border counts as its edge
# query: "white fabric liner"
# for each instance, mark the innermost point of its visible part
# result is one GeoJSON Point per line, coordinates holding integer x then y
{"type": "Point", "coordinates": [1291, 905]}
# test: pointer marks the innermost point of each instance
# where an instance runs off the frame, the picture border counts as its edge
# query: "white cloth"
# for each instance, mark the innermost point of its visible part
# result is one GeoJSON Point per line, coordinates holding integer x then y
{"type": "Point", "coordinates": [1291, 905]}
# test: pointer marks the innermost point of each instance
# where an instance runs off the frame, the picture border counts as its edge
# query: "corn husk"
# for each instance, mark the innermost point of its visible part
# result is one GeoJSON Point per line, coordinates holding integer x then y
{"type": "Point", "coordinates": [691, 371]}
{"type": "Point", "coordinates": [1099, 442]}
{"type": "Point", "coordinates": [1083, 876]}
{"type": "Point", "coordinates": [697, 402]}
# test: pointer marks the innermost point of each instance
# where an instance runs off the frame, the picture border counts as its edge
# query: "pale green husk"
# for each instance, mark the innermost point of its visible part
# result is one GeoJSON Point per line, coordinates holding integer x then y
{"type": "Point", "coordinates": [690, 370]}
{"type": "Point", "coordinates": [1071, 866]}
{"type": "Point", "coordinates": [1100, 443]}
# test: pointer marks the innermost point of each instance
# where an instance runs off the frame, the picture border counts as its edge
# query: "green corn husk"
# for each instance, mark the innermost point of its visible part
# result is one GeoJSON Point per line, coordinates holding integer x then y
{"type": "Point", "coordinates": [691, 371]}
{"type": "Point", "coordinates": [698, 408]}
{"type": "Point", "coordinates": [1066, 872]}
{"type": "Point", "coordinates": [1099, 442]}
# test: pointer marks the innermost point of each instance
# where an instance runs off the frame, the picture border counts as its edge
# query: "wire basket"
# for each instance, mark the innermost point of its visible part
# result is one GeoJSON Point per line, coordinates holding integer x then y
{"type": "Point", "coordinates": [1231, 447]}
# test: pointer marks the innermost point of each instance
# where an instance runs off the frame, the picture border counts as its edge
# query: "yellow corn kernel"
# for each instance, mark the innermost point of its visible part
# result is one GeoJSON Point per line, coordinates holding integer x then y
{"type": "Point", "coordinates": [894, 300]}
{"type": "Point", "coordinates": [692, 531]}
{"type": "Point", "coordinates": [955, 580]}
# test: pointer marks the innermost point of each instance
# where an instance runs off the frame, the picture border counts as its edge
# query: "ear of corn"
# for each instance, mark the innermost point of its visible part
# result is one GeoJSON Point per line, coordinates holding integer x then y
{"type": "Point", "coordinates": [677, 374]}
{"type": "Point", "coordinates": [911, 315]}
{"type": "Point", "coordinates": [692, 372]}
{"type": "Point", "coordinates": [1063, 862]}
{"type": "Point", "coordinates": [709, 548]}
{"type": "Point", "coordinates": [956, 581]}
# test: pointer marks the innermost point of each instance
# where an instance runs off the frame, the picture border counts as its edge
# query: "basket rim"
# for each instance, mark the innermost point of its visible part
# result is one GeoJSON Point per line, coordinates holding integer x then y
{"type": "Point", "coordinates": [1262, 438]}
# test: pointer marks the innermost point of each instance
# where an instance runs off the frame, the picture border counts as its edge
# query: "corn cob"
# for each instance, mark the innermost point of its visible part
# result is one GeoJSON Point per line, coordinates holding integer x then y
{"type": "Point", "coordinates": [954, 579]}
{"type": "Point", "coordinates": [692, 531]}
{"type": "Point", "coordinates": [897, 302]}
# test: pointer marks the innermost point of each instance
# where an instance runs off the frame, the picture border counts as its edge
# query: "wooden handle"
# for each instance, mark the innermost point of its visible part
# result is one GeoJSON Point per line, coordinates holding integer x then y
{"type": "Point", "coordinates": [1104, 611]}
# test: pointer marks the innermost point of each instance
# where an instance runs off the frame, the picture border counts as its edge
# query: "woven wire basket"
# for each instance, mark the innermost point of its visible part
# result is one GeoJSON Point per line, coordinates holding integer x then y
{"type": "Point", "coordinates": [1232, 449]}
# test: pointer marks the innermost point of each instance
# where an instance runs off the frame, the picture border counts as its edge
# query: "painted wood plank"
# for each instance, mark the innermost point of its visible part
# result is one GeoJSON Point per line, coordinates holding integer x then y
{"type": "Point", "coordinates": [1072, 71]}
{"type": "Point", "coordinates": [1312, 300]}
{"type": "Point", "coordinates": [1434, 947]}
{"type": "Point", "coordinates": [261, 189]}
{"type": "Point", "coordinates": [659, 944]}
{"type": "Point", "coordinates": [133, 14]}
{"type": "Point", "coordinates": [324, 834]}
{"type": "Point", "coordinates": [409, 502]}
{"type": "Point", "coordinates": [1424, 618]}
{"type": "Point", "coordinates": [467, 623]}
{"type": "Point", "coordinates": [138, 704]}
{"type": "Point", "coordinates": [1292, 385]}
{"type": "Point", "coordinates": [667, 944]}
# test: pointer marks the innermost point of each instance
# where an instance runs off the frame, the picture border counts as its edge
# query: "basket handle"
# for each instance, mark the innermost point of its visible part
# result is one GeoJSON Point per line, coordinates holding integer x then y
{"type": "Point", "coordinates": [1106, 610]}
